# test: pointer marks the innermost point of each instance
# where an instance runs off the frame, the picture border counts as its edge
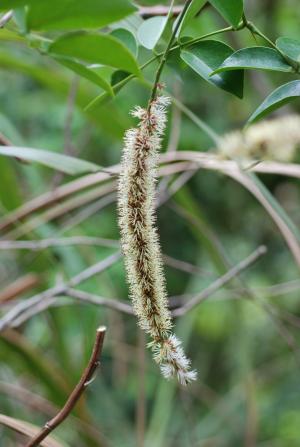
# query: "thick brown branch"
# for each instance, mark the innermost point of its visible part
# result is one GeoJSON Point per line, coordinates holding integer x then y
{"type": "Point", "coordinates": [84, 381]}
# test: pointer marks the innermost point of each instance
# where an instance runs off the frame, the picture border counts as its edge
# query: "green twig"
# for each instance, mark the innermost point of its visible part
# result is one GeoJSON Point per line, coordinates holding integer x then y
{"type": "Point", "coordinates": [166, 52]}
{"type": "Point", "coordinates": [129, 78]}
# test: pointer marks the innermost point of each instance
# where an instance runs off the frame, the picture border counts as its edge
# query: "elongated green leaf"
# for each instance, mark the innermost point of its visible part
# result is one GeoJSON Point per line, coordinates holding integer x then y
{"type": "Point", "coordinates": [258, 58]}
{"type": "Point", "coordinates": [63, 163]}
{"type": "Point", "coordinates": [192, 10]}
{"type": "Point", "coordinates": [151, 30]}
{"type": "Point", "coordinates": [231, 10]}
{"type": "Point", "coordinates": [289, 47]}
{"type": "Point", "coordinates": [71, 14]}
{"type": "Point", "coordinates": [10, 196]}
{"type": "Point", "coordinates": [9, 4]}
{"type": "Point", "coordinates": [110, 119]}
{"type": "Point", "coordinates": [282, 95]}
{"type": "Point", "coordinates": [86, 73]}
{"type": "Point", "coordinates": [95, 49]}
{"type": "Point", "coordinates": [127, 38]}
{"type": "Point", "coordinates": [204, 57]}
{"type": "Point", "coordinates": [29, 430]}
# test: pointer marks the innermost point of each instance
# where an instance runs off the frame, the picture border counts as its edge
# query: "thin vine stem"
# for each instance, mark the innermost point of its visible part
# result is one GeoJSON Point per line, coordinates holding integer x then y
{"type": "Point", "coordinates": [166, 52]}
{"type": "Point", "coordinates": [256, 31]}
{"type": "Point", "coordinates": [122, 83]}
{"type": "Point", "coordinates": [215, 138]}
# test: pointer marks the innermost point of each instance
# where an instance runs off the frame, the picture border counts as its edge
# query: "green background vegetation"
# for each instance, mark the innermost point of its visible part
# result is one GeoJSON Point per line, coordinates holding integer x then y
{"type": "Point", "coordinates": [248, 388]}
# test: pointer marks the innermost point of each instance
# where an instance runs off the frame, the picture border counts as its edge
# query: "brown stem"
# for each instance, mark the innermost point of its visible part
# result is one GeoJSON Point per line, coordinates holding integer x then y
{"type": "Point", "coordinates": [85, 379]}
{"type": "Point", "coordinates": [4, 141]}
{"type": "Point", "coordinates": [18, 287]}
{"type": "Point", "coordinates": [153, 11]}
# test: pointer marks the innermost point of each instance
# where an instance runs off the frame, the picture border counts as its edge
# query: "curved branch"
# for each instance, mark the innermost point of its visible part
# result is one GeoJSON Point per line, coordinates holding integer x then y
{"type": "Point", "coordinates": [85, 380]}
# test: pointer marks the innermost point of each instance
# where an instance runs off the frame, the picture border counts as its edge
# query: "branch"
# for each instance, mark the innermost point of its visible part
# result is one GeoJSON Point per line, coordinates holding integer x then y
{"type": "Point", "coordinates": [126, 308]}
{"type": "Point", "coordinates": [183, 266]}
{"type": "Point", "coordinates": [85, 380]}
{"type": "Point", "coordinates": [160, 10]}
{"type": "Point", "coordinates": [20, 309]}
{"type": "Point", "coordinates": [153, 11]}
{"type": "Point", "coordinates": [80, 295]}
{"type": "Point", "coordinates": [53, 242]}
{"type": "Point", "coordinates": [4, 141]}
{"type": "Point", "coordinates": [99, 300]}
{"type": "Point", "coordinates": [203, 160]}
{"type": "Point", "coordinates": [32, 306]}
{"type": "Point", "coordinates": [18, 287]}
{"type": "Point", "coordinates": [165, 54]}
{"type": "Point", "coordinates": [220, 282]}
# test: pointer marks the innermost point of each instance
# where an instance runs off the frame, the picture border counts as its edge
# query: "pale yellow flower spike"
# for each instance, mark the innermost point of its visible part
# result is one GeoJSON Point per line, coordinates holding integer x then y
{"type": "Point", "coordinates": [140, 241]}
{"type": "Point", "coordinates": [276, 140]}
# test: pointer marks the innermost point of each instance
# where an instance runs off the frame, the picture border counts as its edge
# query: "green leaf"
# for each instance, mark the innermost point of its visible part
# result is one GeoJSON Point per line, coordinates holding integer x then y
{"type": "Point", "coordinates": [86, 73]}
{"type": "Point", "coordinates": [231, 10]}
{"type": "Point", "coordinates": [151, 31]}
{"type": "Point", "coordinates": [74, 14]}
{"type": "Point", "coordinates": [259, 58]}
{"type": "Point", "coordinates": [104, 97]}
{"type": "Point", "coordinates": [63, 163]}
{"type": "Point", "coordinates": [289, 47]}
{"type": "Point", "coordinates": [118, 76]}
{"type": "Point", "coordinates": [95, 49]}
{"type": "Point", "coordinates": [12, 4]}
{"type": "Point", "coordinates": [192, 10]}
{"type": "Point", "coordinates": [282, 95]}
{"type": "Point", "coordinates": [110, 119]}
{"type": "Point", "coordinates": [204, 57]}
{"type": "Point", "coordinates": [127, 38]}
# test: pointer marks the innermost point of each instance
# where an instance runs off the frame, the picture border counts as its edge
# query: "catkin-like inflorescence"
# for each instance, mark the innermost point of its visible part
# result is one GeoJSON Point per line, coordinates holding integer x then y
{"type": "Point", "coordinates": [140, 241]}
{"type": "Point", "coordinates": [276, 139]}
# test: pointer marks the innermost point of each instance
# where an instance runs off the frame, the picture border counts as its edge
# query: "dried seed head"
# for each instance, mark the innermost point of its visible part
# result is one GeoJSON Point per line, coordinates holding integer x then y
{"type": "Point", "coordinates": [276, 139]}
{"type": "Point", "coordinates": [140, 241]}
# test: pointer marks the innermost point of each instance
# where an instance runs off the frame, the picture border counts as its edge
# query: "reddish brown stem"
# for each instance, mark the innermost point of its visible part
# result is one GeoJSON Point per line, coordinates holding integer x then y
{"type": "Point", "coordinates": [84, 381]}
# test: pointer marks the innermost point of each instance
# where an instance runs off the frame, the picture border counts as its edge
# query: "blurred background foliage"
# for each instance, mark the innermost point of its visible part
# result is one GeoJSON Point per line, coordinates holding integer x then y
{"type": "Point", "coordinates": [248, 362]}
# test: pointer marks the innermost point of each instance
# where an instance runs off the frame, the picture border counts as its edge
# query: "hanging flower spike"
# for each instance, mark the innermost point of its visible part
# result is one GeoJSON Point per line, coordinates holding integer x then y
{"type": "Point", "coordinates": [275, 140]}
{"type": "Point", "coordinates": [140, 241]}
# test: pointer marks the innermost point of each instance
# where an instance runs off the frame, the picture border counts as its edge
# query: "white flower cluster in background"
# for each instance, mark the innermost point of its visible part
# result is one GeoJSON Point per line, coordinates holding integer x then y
{"type": "Point", "coordinates": [140, 241]}
{"type": "Point", "coordinates": [276, 140]}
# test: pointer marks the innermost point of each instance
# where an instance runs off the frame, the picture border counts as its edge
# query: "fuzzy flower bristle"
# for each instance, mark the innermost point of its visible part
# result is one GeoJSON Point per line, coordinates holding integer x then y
{"type": "Point", "coordinates": [275, 139]}
{"type": "Point", "coordinates": [140, 241]}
